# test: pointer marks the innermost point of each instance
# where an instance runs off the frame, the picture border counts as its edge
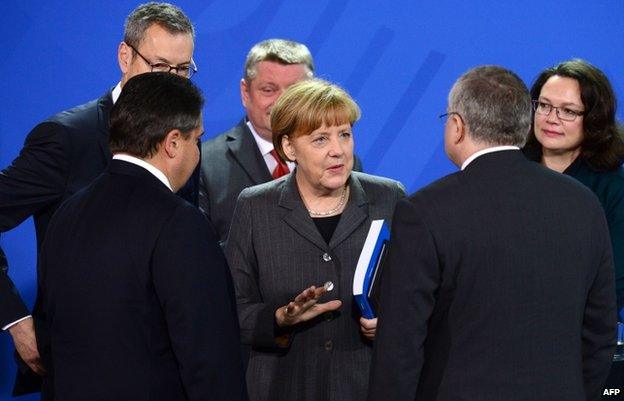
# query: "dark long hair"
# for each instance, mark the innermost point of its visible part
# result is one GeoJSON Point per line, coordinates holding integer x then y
{"type": "Point", "coordinates": [603, 139]}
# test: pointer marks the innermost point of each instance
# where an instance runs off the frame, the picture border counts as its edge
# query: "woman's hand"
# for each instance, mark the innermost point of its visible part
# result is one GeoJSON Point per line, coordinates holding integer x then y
{"type": "Point", "coordinates": [304, 307]}
{"type": "Point", "coordinates": [368, 327]}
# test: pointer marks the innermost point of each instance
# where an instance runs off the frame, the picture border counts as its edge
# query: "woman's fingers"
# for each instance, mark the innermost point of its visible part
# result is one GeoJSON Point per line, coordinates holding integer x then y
{"type": "Point", "coordinates": [306, 295]}
{"type": "Point", "coordinates": [305, 306]}
{"type": "Point", "coordinates": [368, 324]}
{"type": "Point", "coordinates": [368, 327]}
{"type": "Point", "coordinates": [318, 309]}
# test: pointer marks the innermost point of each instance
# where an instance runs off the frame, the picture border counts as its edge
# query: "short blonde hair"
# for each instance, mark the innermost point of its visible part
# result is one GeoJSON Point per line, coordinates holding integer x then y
{"type": "Point", "coordinates": [306, 106]}
{"type": "Point", "coordinates": [285, 52]}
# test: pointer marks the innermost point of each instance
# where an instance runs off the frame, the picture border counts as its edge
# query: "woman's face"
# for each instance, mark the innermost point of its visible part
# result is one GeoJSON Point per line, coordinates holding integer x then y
{"type": "Point", "coordinates": [558, 136]}
{"type": "Point", "coordinates": [324, 157]}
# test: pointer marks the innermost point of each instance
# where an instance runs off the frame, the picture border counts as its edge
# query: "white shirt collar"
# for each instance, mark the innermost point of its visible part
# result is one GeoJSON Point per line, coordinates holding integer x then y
{"type": "Point", "coordinates": [265, 146]}
{"type": "Point", "coordinates": [142, 163]}
{"type": "Point", "coordinates": [485, 151]}
{"type": "Point", "coordinates": [116, 92]}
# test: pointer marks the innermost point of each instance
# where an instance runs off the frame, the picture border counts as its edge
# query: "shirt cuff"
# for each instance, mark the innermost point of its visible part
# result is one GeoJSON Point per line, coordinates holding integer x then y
{"type": "Point", "coordinates": [15, 322]}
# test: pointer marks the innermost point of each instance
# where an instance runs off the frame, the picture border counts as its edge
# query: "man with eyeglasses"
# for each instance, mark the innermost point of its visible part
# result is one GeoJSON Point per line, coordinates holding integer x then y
{"type": "Point", "coordinates": [66, 152]}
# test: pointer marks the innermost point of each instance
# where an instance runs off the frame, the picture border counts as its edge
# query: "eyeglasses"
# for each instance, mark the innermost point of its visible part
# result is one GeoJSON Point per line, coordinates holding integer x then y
{"type": "Point", "coordinates": [185, 71]}
{"type": "Point", "coordinates": [564, 113]}
{"type": "Point", "coordinates": [445, 115]}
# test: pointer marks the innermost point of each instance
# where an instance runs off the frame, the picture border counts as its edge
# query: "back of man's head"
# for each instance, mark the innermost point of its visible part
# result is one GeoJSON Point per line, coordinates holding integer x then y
{"type": "Point", "coordinates": [281, 51]}
{"type": "Point", "coordinates": [494, 104]}
{"type": "Point", "coordinates": [149, 107]}
{"type": "Point", "coordinates": [168, 16]}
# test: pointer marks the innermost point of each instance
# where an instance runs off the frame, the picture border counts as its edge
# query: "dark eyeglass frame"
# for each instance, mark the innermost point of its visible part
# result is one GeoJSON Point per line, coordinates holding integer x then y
{"type": "Point", "coordinates": [441, 116]}
{"type": "Point", "coordinates": [576, 114]}
{"type": "Point", "coordinates": [164, 67]}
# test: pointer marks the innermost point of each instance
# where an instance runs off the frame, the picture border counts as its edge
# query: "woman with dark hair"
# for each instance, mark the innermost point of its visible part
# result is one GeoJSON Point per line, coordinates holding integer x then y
{"type": "Point", "coordinates": [575, 132]}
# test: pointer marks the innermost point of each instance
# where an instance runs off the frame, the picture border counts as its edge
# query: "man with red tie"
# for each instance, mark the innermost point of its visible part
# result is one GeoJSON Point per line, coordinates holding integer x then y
{"type": "Point", "coordinates": [244, 156]}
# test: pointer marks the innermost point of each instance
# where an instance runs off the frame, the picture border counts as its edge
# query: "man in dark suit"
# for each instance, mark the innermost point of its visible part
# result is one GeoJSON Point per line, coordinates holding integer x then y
{"type": "Point", "coordinates": [66, 152]}
{"type": "Point", "coordinates": [499, 278]}
{"type": "Point", "coordinates": [137, 301]}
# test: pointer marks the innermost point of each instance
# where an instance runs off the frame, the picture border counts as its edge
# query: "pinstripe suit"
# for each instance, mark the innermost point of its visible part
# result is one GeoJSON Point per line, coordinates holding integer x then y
{"type": "Point", "coordinates": [275, 251]}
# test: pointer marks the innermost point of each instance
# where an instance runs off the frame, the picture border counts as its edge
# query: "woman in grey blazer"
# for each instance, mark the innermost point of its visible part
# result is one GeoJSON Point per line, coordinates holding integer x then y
{"type": "Point", "coordinates": [290, 236]}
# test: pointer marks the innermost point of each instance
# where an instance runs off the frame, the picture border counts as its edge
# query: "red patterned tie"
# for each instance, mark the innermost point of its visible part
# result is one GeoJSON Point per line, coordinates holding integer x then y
{"type": "Point", "coordinates": [281, 168]}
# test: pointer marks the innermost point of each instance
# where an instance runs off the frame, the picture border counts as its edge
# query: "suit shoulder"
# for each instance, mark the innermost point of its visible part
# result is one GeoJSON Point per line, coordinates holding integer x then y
{"type": "Point", "coordinates": [79, 116]}
{"type": "Point", "coordinates": [186, 213]}
{"type": "Point", "coordinates": [614, 179]}
{"type": "Point", "coordinates": [378, 183]}
{"type": "Point", "coordinates": [166, 201]}
{"type": "Point", "coordinates": [218, 144]}
{"type": "Point", "coordinates": [440, 187]}
{"type": "Point", "coordinates": [79, 119]}
{"type": "Point", "coordinates": [545, 179]}
{"type": "Point", "coordinates": [264, 190]}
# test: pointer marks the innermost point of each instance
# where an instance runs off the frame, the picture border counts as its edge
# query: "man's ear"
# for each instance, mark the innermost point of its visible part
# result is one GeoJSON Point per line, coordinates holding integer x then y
{"type": "Point", "coordinates": [458, 129]}
{"type": "Point", "coordinates": [244, 91]}
{"type": "Point", "coordinates": [124, 57]}
{"type": "Point", "coordinates": [171, 144]}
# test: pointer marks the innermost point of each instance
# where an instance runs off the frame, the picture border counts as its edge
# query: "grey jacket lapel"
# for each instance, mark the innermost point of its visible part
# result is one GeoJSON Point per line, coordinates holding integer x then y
{"type": "Point", "coordinates": [298, 217]}
{"type": "Point", "coordinates": [245, 151]}
{"type": "Point", "coordinates": [353, 215]}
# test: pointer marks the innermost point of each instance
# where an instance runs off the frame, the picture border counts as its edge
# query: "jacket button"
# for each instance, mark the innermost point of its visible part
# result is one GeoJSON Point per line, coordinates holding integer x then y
{"type": "Point", "coordinates": [329, 345]}
{"type": "Point", "coordinates": [326, 257]}
{"type": "Point", "coordinates": [328, 316]}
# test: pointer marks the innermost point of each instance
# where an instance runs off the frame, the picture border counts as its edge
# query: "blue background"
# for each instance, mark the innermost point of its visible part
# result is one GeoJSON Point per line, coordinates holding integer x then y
{"type": "Point", "coordinates": [398, 59]}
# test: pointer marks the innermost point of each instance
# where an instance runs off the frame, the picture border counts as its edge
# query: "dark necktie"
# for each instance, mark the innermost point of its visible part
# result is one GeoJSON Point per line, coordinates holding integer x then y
{"type": "Point", "coordinates": [281, 168]}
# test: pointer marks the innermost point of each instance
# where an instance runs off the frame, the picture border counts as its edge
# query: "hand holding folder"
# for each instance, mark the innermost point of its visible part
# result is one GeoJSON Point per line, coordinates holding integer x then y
{"type": "Point", "coordinates": [368, 268]}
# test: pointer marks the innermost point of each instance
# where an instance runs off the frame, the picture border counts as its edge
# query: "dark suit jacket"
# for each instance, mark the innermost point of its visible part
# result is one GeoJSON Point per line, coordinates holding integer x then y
{"type": "Point", "coordinates": [60, 156]}
{"type": "Point", "coordinates": [275, 251]}
{"type": "Point", "coordinates": [230, 163]}
{"type": "Point", "coordinates": [609, 188]}
{"type": "Point", "coordinates": [498, 286]}
{"type": "Point", "coordinates": [137, 301]}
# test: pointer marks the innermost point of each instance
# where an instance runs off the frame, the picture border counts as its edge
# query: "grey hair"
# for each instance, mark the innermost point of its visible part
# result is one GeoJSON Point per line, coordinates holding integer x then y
{"type": "Point", "coordinates": [166, 15]}
{"type": "Point", "coordinates": [495, 105]}
{"type": "Point", "coordinates": [278, 50]}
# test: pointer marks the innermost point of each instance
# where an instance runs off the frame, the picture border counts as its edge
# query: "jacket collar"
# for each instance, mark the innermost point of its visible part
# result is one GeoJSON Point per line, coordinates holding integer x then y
{"type": "Point", "coordinates": [243, 147]}
{"type": "Point", "coordinates": [353, 215]}
{"type": "Point", "coordinates": [104, 106]}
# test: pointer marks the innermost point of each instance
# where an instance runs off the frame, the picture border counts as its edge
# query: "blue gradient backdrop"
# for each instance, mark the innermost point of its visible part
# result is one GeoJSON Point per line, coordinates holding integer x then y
{"type": "Point", "coordinates": [397, 58]}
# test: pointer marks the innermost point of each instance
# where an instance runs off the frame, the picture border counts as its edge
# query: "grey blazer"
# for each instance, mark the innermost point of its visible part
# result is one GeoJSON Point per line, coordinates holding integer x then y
{"type": "Point", "coordinates": [229, 163]}
{"type": "Point", "coordinates": [275, 251]}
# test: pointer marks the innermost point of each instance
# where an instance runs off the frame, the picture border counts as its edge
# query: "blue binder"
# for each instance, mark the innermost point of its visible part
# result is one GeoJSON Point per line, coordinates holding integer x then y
{"type": "Point", "coordinates": [368, 268]}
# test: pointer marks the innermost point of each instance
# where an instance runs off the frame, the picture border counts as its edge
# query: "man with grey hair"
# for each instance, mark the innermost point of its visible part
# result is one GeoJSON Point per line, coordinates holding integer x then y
{"type": "Point", "coordinates": [67, 151]}
{"type": "Point", "coordinates": [498, 284]}
{"type": "Point", "coordinates": [244, 156]}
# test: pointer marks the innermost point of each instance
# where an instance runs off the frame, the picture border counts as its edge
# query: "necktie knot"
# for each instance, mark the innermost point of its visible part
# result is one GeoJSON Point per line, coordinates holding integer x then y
{"type": "Point", "coordinates": [281, 168]}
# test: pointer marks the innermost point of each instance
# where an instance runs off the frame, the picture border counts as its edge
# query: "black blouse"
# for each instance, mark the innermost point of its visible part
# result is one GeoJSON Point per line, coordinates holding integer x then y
{"type": "Point", "coordinates": [327, 226]}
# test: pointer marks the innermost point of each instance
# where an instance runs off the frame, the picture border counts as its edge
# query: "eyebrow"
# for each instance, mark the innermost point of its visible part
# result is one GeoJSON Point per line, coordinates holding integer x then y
{"type": "Point", "coordinates": [164, 60]}
{"type": "Point", "coordinates": [562, 104]}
